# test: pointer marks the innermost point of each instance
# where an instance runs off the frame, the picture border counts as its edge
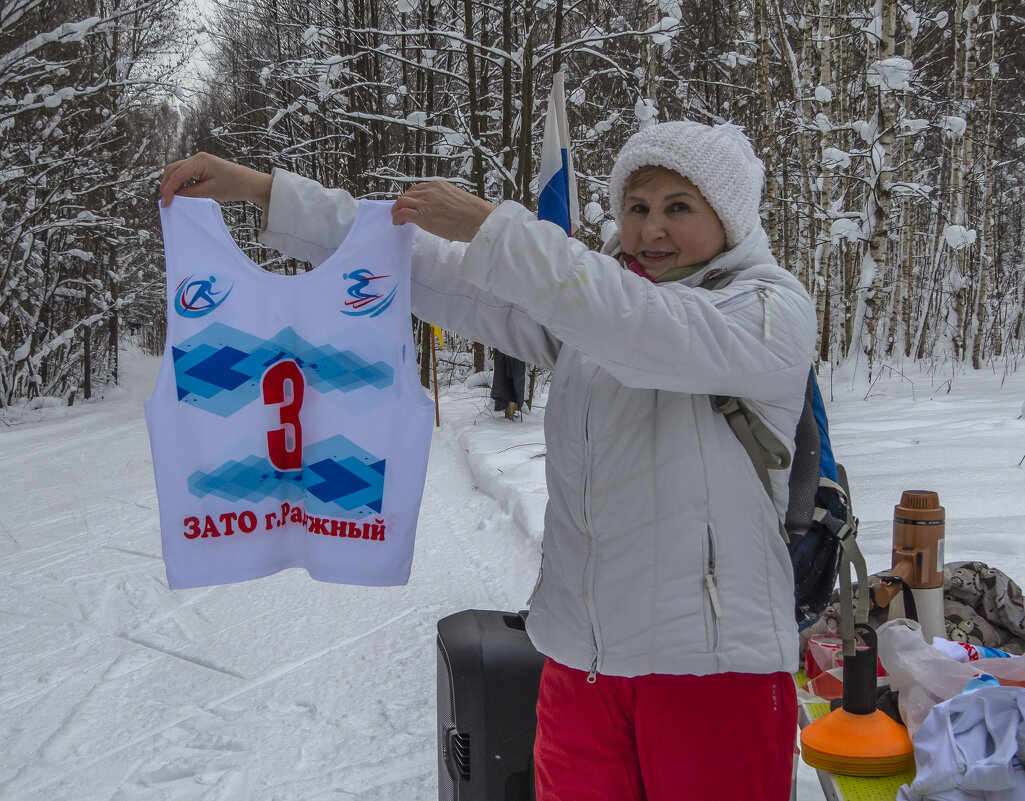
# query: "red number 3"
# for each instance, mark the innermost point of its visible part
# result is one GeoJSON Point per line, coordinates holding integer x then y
{"type": "Point", "coordinates": [286, 453]}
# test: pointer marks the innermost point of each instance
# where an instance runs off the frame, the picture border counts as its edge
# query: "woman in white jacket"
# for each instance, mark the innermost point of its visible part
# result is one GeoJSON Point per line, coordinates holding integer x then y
{"type": "Point", "coordinates": [665, 599]}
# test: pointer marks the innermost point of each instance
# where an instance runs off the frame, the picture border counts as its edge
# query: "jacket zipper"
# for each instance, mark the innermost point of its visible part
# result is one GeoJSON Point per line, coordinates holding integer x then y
{"type": "Point", "coordinates": [766, 296]}
{"type": "Point", "coordinates": [540, 575]}
{"type": "Point", "coordinates": [722, 304]}
{"type": "Point", "coordinates": [588, 577]}
{"type": "Point", "coordinates": [711, 585]}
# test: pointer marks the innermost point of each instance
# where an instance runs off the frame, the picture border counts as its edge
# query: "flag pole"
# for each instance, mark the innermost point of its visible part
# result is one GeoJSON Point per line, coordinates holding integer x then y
{"type": "Point", "coordinates": [557, 199]}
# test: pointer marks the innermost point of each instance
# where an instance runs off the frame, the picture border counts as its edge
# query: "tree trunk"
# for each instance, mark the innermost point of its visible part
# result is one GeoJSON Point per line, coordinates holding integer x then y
{"type": "Point", "coordinates": [880, 166]}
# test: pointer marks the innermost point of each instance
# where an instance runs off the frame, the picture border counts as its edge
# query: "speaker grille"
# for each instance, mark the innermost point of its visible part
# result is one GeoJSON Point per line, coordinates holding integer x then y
{"type": "Point", "coordinates": [446, 722]}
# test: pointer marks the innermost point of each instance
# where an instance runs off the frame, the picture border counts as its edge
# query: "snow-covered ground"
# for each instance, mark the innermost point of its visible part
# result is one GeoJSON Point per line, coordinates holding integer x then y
{"type": "Point", "coordinates": [113, 687]}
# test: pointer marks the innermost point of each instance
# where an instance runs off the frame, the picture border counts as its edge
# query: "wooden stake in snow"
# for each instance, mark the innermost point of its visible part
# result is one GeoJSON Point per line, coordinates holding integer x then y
{"type": "Point", "coordinates": [435, 334]}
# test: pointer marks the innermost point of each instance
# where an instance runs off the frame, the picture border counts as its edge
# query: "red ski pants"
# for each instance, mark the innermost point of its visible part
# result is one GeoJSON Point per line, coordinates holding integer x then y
{"type": "Point", "coordinates": [727, 737]}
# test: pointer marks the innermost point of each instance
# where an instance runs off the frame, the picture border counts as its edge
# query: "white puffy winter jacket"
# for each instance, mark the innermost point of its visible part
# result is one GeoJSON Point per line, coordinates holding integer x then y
{"type": "Point", "coordinates": [661, 550]}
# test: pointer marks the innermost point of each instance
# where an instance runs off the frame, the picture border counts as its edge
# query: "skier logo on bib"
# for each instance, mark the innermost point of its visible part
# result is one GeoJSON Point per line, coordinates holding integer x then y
{"type": "Point", "coordinates": [197, 298]}
{"type": "Point", "coordinates": [361, 301]}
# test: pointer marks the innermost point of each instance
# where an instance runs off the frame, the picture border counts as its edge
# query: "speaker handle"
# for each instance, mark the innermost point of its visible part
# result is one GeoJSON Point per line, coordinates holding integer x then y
{"type": "Point", "coordinates": [449, 748]}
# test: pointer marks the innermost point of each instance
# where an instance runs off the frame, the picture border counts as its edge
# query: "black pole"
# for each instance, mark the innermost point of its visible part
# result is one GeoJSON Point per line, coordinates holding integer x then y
{"type": "Point", "coordinates": [859, 674]}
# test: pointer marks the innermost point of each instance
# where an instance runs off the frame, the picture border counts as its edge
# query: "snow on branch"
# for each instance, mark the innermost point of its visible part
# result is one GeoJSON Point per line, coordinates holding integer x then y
{"type": "Point", "coordinates": [959, 237]}
{"type": "Point", "coordinates": [891, 74]}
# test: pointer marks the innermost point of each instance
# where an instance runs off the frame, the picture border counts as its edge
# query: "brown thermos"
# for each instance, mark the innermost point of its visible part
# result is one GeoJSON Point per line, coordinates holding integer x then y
{"type": "Point", "coordinates": [918, 532]}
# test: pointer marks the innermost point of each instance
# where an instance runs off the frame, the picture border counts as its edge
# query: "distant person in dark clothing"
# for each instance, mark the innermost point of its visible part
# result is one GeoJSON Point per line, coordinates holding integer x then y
{"type": "Point", "coordinates": [507, 385]}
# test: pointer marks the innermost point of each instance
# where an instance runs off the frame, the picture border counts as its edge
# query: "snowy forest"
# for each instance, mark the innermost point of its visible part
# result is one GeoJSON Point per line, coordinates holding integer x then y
{"type": "Point", "coordinates": [893, 134]}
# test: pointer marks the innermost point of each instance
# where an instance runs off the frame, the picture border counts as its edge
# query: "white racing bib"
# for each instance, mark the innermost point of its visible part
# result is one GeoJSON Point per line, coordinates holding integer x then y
{"type": "Point", "coordinates": [287, 425]}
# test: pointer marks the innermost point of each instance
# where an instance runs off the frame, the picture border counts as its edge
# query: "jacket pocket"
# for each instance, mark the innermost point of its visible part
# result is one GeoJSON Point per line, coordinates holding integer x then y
{"type": "Point", "coordinates": [745, 298]}
{"type": "Point", "coordinates": [739, 300]}
{"type": "Point", "coordinates": [712, 592]}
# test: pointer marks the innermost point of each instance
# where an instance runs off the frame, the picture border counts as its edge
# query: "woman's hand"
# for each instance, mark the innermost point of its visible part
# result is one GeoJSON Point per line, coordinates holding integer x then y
{"type": "Point", "coordinates": [203, 175]}
{"type": "Point", "coordinates": [442, 209]}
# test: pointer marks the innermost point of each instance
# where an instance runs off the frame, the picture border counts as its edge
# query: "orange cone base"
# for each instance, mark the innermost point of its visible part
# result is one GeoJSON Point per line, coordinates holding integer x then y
{"type": "Point", "coordinates": [857, 745]}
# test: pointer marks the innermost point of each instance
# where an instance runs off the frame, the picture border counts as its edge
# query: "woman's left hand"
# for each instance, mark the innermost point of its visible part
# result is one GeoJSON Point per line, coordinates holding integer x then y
{"type": "Point", "coordinates": [442, 209]}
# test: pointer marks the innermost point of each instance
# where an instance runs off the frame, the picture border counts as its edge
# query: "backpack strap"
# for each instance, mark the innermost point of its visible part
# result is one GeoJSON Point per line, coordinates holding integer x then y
{"type": "Point", "coordinates": [764, 449]}
{"type": "Point", "coordinates": [719, 278]}
{"type": "Point", "coordinates": [846, 530]}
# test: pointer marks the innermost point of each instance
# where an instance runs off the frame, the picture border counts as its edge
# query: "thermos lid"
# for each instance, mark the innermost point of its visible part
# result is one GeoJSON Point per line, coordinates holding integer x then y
{"type": "Point", "coordinates": [919, 506]}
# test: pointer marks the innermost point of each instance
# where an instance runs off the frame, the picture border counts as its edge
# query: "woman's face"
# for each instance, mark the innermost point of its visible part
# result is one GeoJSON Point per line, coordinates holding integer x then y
{"type": "Point", "coordinates": [667, 222]}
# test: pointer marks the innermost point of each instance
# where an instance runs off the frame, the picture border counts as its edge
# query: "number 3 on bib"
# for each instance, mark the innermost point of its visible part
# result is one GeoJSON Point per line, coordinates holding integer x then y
{"type": "Point", "coordinates": [285, 452]}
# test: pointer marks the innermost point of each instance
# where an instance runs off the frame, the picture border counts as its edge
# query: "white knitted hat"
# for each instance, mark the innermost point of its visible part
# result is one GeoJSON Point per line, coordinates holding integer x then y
{"type": "Point", "coordinates": [718, 160]}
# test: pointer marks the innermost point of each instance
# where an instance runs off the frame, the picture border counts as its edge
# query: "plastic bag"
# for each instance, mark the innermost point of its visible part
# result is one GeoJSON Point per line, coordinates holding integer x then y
{"type": "Point", "coordinates": [827, 684]}
{"type": "Point", "coordinates": [924, 676]}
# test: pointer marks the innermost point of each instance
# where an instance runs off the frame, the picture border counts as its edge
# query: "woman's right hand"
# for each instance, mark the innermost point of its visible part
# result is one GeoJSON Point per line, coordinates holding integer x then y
{"type": "Point", "coordinates": [203, 175]}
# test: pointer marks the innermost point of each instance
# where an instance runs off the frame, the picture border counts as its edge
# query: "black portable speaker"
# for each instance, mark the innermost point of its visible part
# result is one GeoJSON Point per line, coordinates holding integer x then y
{"type": "Point", "coordinates": [488, 677]}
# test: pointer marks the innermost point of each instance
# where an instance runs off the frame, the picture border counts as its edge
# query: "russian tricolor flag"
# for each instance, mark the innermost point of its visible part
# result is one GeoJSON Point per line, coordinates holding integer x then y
{"type": "Point", "coordinates": [557, 201]}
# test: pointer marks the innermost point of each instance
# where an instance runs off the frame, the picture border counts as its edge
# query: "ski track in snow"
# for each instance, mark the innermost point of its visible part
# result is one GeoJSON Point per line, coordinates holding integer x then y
{"type": "Point", "coordinates": [115, 688]}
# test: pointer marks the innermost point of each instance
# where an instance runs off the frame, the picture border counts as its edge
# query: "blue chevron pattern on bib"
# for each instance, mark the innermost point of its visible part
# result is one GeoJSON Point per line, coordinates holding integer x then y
{"type": "Point", "coordinates": [219, 369]}
{"type": "Point", "coordinates": [338, 479]}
